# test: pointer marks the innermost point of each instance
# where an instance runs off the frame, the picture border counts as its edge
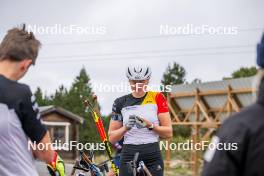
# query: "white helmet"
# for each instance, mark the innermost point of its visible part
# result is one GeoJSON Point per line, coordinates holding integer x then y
{"type": "Point", "coordinates": [138, 72]}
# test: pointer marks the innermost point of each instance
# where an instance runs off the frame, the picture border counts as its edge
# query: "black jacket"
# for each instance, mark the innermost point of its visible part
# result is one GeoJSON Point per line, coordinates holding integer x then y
{"type": "Point", "coordinates": [246, 130]}
{"type": "Point", "coordinates": [18, 98]}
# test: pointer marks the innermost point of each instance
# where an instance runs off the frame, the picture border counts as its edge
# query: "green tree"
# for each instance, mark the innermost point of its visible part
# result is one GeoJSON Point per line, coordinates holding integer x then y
{"type": "Point", "coordinates": [80, 90]}
{"type": "Point", "coordinates": [72, 100]}
{"type": "Point", "coordinates": [196, 81]}
{"type": "Point", "coordinates": [243, 72]}
{"type": "Point", "coordinates": [175, 74]}
{"type": "Point", "coordinates": [40, 98]}
{"type": "Point", "coordinates": [60, 97]}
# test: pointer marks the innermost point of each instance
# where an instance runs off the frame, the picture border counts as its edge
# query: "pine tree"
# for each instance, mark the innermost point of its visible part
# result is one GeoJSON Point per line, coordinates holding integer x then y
{"type": "Point", "coordinates": [80, 90]}
{"type": "Point", "coordinates": [40, 98]}
{"type": "Point", "coordinates": [72, 100]}
{"type": "Point", "coordinates": [174, 74]}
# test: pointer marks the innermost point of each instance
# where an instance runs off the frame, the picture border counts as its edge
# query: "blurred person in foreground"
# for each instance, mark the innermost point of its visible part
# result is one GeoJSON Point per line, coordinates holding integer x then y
{"type": "Point", "coordinates": [246, 130]}
{"type": "Point", "coordinates": [19, 114]}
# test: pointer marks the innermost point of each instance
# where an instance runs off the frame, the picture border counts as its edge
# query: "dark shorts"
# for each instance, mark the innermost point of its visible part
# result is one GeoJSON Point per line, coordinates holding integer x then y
{"type": "Point", "coordinates": [148, 153]}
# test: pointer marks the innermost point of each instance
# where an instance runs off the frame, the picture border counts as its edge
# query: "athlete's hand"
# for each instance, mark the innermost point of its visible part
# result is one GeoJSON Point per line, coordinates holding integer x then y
{"type": "Point", "coordinates": [131, 122]}
{"type": "Point", "coordinates": [142, 123]}
{"type": "Point", "coordinates": [111, 173]}
{"type": "Point", "coordinates": [56, 167]}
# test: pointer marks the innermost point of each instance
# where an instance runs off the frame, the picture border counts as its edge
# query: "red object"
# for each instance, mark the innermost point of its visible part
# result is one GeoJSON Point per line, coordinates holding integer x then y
{"type": "Point", "coordinates": [162, 103]}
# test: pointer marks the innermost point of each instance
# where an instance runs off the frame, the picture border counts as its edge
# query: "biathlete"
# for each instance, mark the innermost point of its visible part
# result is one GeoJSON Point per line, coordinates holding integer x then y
{"type": "Point", "coordinates": [140, 118]}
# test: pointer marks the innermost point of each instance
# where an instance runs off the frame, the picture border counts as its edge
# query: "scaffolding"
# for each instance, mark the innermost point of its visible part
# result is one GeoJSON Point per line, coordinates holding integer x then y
{"type": "Point", "coordinates": [204, 106]}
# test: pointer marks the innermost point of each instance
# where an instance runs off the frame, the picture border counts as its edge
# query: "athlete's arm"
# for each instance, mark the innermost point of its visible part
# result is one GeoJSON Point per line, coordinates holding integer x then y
{"type": "Point", "coordinates": [30, 119]}
{"type": "Point", "coordinates": [164, 130]}
{"type": "Point", "coordinates": [116, 131]}
{"type": "Point", "coordinates": [47, 154]}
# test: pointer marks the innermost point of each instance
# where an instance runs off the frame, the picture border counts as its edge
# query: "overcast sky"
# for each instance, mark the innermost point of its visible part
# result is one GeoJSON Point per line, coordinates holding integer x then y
{"type": "Point", "coordinates": [131, 33]}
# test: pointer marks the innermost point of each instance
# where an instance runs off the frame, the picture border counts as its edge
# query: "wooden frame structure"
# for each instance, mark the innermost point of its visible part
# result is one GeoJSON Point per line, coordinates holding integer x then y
{"type": "Point", "coordinates": [206, 117]}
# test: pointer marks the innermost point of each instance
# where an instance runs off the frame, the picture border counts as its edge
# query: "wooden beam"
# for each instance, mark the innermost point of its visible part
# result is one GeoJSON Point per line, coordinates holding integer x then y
{"type": "Point", "coordinates": [174, 104]}
{"type": "Point", "coordinates": [189, 113]}
{"type": "Point", "coordinates": [213, 110]}
{"type": "Point", "coordinates": [168, 155]}
{"type": "Point", "coordinates": [217, 117]}
{"type": "Point", "coordinates": [203, 110]}
{"type": "Point", "coordinates": [234, 104]}
{"type": "Point", "coordinates": [229, 105]}
{"type": "Point", "coordinates": [231, 101]}
{"type": "Point", "coordinates": [201, 107]}
{"type": "Point", "coordinates": [207, 134]}
{"type": "Point", "coordinates": [204, 124]}
{"type": "Point", "coordinates": [212, 92]}
{"type": "Point", "coordinates": [173, 112]}
{"type": "Point", "coordinates": [175, 116]}
{"type": "Point", "coordinates": [196, 133]}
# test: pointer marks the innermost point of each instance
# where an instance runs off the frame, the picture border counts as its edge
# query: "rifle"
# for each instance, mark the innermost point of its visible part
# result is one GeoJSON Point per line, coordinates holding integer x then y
{"type": "Point", "coordinates": [100, 127]}
{"type": "Point", "coordinates": [85, 164]}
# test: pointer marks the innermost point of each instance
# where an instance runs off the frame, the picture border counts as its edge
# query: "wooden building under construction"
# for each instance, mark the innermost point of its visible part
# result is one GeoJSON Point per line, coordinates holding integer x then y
{"type": "Point", "coordinates": [204, 106]}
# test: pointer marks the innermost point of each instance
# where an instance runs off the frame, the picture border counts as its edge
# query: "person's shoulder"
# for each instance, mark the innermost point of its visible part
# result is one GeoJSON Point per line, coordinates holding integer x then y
{"type": "Point", "coordinates": [247, 114]}
{"type": "Point", "coordinates": [119, 103]}
{"type": "Point", "coordinates": [23, 90]}
{"type": "Point", "coordinates": [24, 87]}
{"type": "Point", "coordinates": [248, 119]}
{"type": "Point", "coordinates": [14, 88]}
{"type": "Point", "coordinates": [158, 96]}
{"type": "Point", "coordinates": [122, 98]}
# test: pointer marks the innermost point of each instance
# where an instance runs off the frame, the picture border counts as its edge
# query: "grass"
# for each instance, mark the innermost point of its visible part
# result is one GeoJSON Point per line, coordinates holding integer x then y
{"type": "Point", "coordinates": [178, 171]}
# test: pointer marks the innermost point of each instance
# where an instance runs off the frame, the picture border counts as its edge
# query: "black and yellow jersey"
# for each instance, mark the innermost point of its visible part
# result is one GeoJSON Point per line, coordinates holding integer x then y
{"type": "Point", "coordinates": [148, 107]}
